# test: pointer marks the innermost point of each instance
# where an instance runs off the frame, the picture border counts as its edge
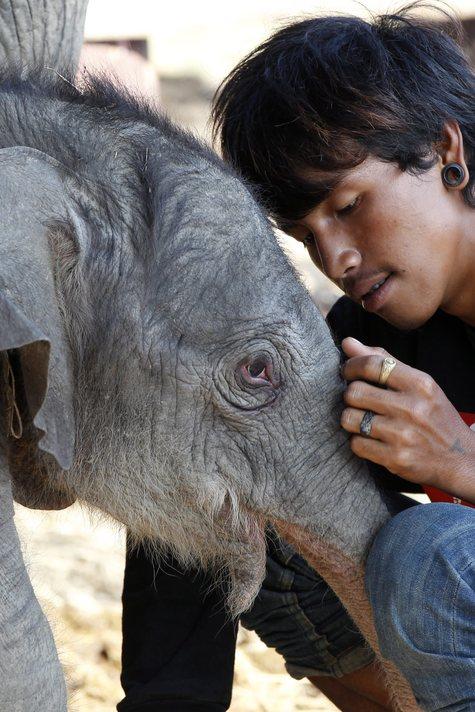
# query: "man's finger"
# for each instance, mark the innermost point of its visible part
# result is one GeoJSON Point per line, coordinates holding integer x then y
{"type": "Point", "coordinates": [370, 449]}
{"type": "Point", "coordinates": [368, 368]}
{"type": "Point", "coordinates": [353, 347]}
{"type": "Point", "coordinates": [351, 421]}
{"type": "Point", "coordinates": [366, 396]}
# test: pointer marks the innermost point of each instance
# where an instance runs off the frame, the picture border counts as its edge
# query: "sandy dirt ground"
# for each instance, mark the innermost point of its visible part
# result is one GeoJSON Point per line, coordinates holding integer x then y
{"type": "Point", "coordinates": [76, 564]}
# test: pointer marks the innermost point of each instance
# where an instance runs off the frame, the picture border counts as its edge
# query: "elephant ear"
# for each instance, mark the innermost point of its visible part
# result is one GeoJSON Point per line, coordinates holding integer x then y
{"type": "Point", "coordinates": [35, 357]}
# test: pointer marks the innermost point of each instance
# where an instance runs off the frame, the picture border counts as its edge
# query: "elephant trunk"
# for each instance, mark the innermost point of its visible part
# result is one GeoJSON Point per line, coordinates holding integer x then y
{"type": "Point", "coordinates": [346, 578]}
{"type": "Point", "coordinates": [41, 34]}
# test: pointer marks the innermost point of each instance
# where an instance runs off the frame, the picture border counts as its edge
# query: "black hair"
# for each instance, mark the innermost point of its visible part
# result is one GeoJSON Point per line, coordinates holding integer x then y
{"type": "Point", "coordinates": [322, 94]}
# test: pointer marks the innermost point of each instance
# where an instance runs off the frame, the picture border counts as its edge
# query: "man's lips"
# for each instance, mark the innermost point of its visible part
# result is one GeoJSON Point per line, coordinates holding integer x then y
{"type": "Point", "coordinates": [359, 288]}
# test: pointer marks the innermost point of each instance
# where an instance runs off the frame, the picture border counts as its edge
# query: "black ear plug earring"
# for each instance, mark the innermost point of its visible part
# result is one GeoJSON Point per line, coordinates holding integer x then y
{"type": "Point", "coordinates": [453, 175]}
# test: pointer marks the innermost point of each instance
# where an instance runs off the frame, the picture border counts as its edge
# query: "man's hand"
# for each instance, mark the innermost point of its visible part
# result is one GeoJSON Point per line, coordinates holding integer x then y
{"type": "Point", "coordinates": [416, 432]}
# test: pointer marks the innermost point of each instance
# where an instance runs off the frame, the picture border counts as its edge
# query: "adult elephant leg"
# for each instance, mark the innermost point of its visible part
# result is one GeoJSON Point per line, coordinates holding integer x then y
{"type": "Point", "coordinates": [41, 34]}
{"type": "Point", "coordinates": [30, 674]}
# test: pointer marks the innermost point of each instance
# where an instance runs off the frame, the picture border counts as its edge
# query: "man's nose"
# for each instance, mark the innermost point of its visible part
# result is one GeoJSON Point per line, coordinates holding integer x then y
{"type": "Point", "coordinates": [339, 260]}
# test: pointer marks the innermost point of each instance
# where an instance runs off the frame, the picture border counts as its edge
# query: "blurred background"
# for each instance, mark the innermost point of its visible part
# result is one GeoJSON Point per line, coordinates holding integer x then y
{"type": "Point", "coordinates": [176, 53]}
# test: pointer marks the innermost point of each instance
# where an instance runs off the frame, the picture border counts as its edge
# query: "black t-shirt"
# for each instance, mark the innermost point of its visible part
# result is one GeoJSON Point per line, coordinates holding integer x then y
{"type": "Point", "coordinates": [178, 649]}
{"type": "Point", "coordinates": [444, 347]}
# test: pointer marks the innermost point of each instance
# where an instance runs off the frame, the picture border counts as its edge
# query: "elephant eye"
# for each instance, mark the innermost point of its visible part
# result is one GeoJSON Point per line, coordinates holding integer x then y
{"type": "Point", "coordinates": [257, 370]}
{"type": "Point", "coordinates": [255, 382]}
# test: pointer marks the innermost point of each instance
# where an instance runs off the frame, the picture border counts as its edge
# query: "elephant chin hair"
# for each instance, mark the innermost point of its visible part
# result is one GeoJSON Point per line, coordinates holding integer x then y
{"type": "Point", "coordinates": [199, 519]}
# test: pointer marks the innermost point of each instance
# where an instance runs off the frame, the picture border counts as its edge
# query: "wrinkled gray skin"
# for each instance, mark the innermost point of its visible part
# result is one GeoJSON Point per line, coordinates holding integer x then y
{"type": "Point", "coordinates": [41, 33]}
{"type": "Point", "coordinates": [137, 276]}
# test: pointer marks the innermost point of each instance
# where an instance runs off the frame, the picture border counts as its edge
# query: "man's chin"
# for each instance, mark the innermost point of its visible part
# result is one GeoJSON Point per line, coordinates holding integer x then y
{"type": "Point", "coordinates": [407, 321]}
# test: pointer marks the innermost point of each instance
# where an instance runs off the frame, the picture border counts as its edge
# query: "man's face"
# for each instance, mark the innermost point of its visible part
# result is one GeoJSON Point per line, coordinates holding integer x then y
{"type": "Point", "coordinates": [382, 226]}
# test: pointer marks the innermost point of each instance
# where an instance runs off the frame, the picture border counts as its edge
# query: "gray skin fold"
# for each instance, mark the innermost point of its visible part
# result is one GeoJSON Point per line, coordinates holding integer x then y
{"type": "Point", "coordinates": [153, 280]}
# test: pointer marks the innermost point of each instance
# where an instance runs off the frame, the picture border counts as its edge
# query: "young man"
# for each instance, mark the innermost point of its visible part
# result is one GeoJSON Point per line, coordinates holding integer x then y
{"type": "Point", "coordinates": [360, 139]}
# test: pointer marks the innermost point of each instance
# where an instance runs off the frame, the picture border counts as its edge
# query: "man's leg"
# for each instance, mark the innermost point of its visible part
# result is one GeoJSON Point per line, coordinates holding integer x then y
{"type": "Point", "coordinates": [358, 691]}
{"type": "Point", "coordinates": [178, 646]}
{"type": "Point", "coordinates": [421, 582]}
{"type": "Point", "coordinates": [178, 639]}
{"type": "Point", "coordinates": [300, 616]}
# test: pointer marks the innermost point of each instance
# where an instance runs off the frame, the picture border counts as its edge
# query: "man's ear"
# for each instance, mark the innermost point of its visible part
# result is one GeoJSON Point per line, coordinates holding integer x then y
{"type": "Point", "coordinates": [35, 358]}
{"type": "Point", "coordinates": [451, 149]}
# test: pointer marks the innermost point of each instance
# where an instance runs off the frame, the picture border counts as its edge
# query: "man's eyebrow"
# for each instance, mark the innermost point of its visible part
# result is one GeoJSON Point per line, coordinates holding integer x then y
{"type": "Point", "coordinates": [323, 182]}
{"type": "Point", "coordinates": [322, 193]}
{"type": "Point", "coordinates": [346, 180]}
{"type": "Point", "coordinates": [320, 187]}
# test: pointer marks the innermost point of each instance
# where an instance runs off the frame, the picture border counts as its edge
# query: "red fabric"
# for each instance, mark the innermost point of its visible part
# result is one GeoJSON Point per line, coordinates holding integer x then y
{"type": "Point", "coordinates": [437, 495]}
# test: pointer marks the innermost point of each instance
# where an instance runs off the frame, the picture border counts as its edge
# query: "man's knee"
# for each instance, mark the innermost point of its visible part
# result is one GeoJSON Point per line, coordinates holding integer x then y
{"type": "Point", "coordinates": [419, 576]}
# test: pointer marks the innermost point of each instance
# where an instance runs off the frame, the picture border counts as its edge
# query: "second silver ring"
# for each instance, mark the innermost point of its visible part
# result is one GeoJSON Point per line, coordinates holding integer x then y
{"type": "Point", "coordinates": [366, 423]}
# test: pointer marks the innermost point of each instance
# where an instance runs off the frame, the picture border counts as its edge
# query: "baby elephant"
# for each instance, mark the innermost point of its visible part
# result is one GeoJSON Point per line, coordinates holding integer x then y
{"type": "Point", "coordinates": [159, 361]}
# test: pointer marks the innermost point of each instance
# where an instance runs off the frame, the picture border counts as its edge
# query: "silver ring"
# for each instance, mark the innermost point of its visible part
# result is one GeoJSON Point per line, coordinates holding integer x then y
{"type": "Point", "coordinates": [366, 423]}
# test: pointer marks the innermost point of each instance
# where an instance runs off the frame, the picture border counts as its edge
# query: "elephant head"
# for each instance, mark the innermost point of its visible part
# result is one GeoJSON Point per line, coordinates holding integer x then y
{"type": "Point", "coordinates": [193, 387]}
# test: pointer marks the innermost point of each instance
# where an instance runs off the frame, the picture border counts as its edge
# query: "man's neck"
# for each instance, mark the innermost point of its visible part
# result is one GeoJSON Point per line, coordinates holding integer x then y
{"type": "Point", "coordinates": [461, 302]}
